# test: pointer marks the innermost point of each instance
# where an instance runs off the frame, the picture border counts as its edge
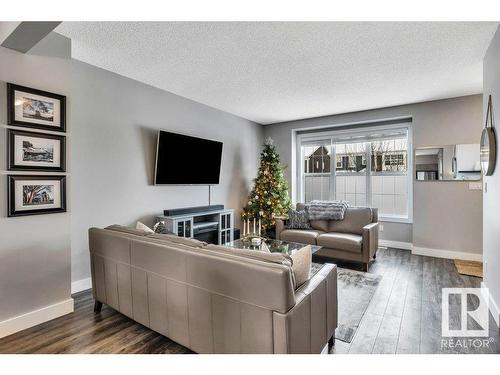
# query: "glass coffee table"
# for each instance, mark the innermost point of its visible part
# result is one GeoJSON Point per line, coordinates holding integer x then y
{"type": "Point", "coordinates": [274, 246]}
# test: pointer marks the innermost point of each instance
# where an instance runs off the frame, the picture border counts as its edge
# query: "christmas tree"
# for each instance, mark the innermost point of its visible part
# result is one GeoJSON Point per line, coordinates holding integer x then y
{"type": "Point", "coordinates": [269, 197]}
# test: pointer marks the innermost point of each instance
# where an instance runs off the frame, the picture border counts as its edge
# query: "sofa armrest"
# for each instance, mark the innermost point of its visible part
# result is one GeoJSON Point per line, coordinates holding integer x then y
{"type": "Point", "coordinates": [370, 240]}
{"type": "Point", "coordinates": [311, 322]}
{"type": "Point", "coordinates": [280, 225]}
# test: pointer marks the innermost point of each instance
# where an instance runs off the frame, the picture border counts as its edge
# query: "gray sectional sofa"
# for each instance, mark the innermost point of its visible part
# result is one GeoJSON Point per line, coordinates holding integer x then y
{"type": "Point", "coordinates": [353, 239]}
{"type": "Point", "coordinates": [209, 299]}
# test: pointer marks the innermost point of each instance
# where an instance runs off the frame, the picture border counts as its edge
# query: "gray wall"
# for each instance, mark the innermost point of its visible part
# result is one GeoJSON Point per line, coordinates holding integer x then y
{"type": "Point", "coordinates": [399, 232]}
{"type": "Point", "coordinates": [35, 251]}
{"type": "Point", "coordinates": [491, 198]}
{"type": "Point", "coordinates": [115, 122]}
{"type": "Point", "coordinates": [112, 126]}
{"type": "Point", "coordinates": [446, 215]}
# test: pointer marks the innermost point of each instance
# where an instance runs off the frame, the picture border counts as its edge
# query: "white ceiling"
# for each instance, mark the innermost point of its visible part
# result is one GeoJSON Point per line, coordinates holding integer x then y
{"type": "Point", "coordinates": [272, 72]}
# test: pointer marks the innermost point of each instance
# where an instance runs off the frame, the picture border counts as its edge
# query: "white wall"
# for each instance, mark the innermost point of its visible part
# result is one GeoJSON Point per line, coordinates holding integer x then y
{"type": "Point", "coordinates": [446, 215]}
{"type": "Point", "coordinates": [491, 198]}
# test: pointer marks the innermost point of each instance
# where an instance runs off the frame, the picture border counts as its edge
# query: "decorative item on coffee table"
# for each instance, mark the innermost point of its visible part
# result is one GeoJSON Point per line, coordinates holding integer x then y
{"type": "Point", "coordinates": [252, 233]}
{"type": "Point", "coordinates": [269, 197]}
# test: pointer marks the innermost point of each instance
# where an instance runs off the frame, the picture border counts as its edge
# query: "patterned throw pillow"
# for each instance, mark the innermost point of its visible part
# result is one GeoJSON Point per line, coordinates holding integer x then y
{"type": "Point", "coordinates": [161, 228]}
{"type": "Point", "coordinates": [298, 220]}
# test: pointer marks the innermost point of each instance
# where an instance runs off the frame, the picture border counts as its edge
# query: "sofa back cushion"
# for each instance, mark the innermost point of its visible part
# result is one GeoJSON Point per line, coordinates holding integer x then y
{"type": "Point", "coordinates": [354, 220]}
{"type": "Point", "coordinates": [321, 225]}
{"type": "Point", "coordinates": [278, 258]}
{"type": "Point", "coordinates": [141, 265]}
{"type": "Point", "coordinates": [172, 238]}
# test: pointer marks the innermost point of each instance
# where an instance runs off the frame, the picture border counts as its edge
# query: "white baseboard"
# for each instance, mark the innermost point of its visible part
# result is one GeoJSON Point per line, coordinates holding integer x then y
{"type": "Point", "coordinates": [396, 244]}
{"type": "Point", "coordinates": [33, 318]}
{"type": "Point", "coordinates": [495, 311]}
{"type": "Point", "coordinates": [436, 253]}
{"type": "Point", "coordinates": [448, 254]}
{"type": "Point", "coordinates": [80, 285]}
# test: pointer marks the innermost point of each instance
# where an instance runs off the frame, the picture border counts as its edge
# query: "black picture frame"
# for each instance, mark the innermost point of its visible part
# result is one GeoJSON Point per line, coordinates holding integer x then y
{"type": "Point", "coordinates": [11, 163]}
{"type": "Point", "coordinates": [11, 108]}
{"type": "Point", "coordinates": [11, 191]}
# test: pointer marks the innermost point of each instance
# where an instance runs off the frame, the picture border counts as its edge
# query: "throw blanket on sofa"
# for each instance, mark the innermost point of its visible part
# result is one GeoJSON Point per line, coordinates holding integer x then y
{"type": "Point", "coordinates": [326, 210]}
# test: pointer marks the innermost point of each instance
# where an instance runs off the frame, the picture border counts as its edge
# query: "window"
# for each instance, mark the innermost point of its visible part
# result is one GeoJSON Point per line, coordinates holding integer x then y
{"type": "Point", "coordinates": [350, 180]}
{"type": "Point", "coordinates": [317, 160]}
{"type": "Point", "coordinates": [395, 162]}
{"type": "Point", "coordinates": [371, 168]}
{"type": "Point", "coordinates": [389, 177]}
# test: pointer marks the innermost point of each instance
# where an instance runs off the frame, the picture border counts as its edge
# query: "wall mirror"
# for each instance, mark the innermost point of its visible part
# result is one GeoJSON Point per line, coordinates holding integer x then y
{"type": "Point", "coordinates": [448, 163]}
{"type": "Point", "coordinates": [488, 143]}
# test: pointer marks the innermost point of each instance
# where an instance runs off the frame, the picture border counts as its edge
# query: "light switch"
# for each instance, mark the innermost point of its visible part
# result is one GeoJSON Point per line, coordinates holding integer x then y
{"type": "Point", "coordinates": [475, 185]}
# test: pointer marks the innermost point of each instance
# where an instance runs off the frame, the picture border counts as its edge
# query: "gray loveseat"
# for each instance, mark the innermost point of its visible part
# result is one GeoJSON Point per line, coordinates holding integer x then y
{"type": "Point", "coordinates": [353, 239]}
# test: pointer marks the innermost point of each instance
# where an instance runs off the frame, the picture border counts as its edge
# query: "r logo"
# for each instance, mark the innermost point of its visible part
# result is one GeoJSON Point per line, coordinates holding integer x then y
{"type": "Point", "coordinates": [480, 315]}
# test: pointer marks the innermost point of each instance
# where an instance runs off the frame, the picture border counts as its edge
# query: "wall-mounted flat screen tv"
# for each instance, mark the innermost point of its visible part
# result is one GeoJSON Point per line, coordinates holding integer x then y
{"type": "Point", "coordinates": [186, 160]}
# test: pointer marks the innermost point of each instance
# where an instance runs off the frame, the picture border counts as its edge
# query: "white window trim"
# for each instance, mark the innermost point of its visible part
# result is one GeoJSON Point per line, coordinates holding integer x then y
{"type": "Point", "coordinates": [297, 166]}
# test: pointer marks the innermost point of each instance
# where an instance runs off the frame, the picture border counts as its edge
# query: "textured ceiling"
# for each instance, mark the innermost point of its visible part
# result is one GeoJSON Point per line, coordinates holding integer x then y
{"type": "Point", "coordinates": [273, 72]}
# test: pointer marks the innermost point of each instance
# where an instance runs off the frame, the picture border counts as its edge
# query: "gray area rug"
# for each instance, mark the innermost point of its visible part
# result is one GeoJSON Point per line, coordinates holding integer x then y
{"type": "Point", "coordinates": [355, 291]}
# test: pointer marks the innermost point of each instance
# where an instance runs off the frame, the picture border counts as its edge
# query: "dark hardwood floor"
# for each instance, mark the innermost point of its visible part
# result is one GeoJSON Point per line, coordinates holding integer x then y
{"type": "Point", "coordinates": [404, 316]}
{"type": "Point", "coordinates": [86, 332]}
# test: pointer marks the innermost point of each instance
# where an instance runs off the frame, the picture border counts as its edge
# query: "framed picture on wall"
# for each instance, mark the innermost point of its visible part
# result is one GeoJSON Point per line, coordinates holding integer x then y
{"type": "Point", "coordinates": [28, 151]}
{"type": "Point", "coordinates": [36, 195]}
{"type": "Point", "coordinates": [35, 108]}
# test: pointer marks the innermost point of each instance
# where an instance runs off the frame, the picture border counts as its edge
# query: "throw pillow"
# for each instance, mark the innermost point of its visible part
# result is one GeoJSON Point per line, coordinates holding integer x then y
{"type": "Point", "coordinates": [301, 266]}
{"type": "Point", "coordinates": [143, 227]}
{"type": "Point", "coordinates": [298, 220]}
{"type": "Point", "coordinates": [160, 227]}
{"type": "Point", "coordinates": [127, 230]}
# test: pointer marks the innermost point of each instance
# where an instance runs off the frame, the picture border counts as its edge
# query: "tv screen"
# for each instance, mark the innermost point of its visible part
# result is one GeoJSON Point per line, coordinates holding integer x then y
{"type": "Point", "coordinates": [185, 160]}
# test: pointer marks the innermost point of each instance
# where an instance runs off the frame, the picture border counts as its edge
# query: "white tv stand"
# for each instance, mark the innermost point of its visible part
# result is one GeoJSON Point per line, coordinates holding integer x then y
{"type": "Point", "coordinates": [210, 226]}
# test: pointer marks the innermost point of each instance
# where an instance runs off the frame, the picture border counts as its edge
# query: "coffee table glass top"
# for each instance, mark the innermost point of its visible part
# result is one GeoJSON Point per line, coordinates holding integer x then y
{"type": "Point", "coordinates": [275, 246]}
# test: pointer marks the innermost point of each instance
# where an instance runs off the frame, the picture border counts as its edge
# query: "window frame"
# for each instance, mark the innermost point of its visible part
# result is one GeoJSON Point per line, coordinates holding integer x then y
{"type": "Point", "coordinates": [331, 136]}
